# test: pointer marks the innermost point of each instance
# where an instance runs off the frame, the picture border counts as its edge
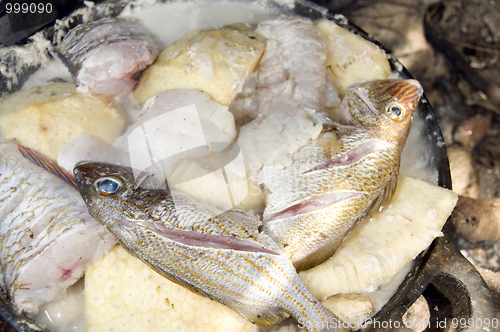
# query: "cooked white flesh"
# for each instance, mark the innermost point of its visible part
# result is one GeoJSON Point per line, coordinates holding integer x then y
{"type": "Point", "coordinates": [162, 120]}
{"type": "Point", "coordinates": [176, 124]}
{"type": "Point", "coordinates": [47, 236]}
{"type": "Point", "coordinates": [104, 56]}
{"type": "Point", "coordinates": [288, 86]}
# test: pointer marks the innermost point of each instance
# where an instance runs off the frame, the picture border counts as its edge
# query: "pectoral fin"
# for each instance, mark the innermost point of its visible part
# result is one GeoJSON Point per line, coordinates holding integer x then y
{"type": "Point", "coordinates": [205, 240]}
{"type": "Point", "coordinates": [385, 197]}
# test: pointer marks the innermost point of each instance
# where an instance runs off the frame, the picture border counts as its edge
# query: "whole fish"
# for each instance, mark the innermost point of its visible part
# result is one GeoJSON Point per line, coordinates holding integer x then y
{"type": "Point", "coordinates": [219, 255]}
{"type": "Point", "coordinates": [105, 56]}
{"type": "Point", "coordinates": [46, 233]}
{"type": "Point", "coordinates": [313, 203]}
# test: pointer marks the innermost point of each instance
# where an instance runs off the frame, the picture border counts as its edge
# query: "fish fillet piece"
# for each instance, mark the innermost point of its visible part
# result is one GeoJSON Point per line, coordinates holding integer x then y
{"type": "Point", "coordinates": [47, 236]}
{"type": "Point", "coordinates": [163, 119]}
{"type": "Point", "coordinates": [379, 247]}
{"type": "Point", "coordinates": [104, 56]}
{"type": "Point", "coordinates": [122, 294]}
{"type": "Point", "coordinates": [189, 120]}
{"type": "Point", "coordinates": [47, 117]}
{"type": "Point", "coordinates": [288, 87]}
{"type": "Point", "coordinates": [313, 203]}
{"type": "Point", "coordinates": [215, 61]}
{"type": "Point", "coordinates": [65, 312]}
{"type": "Point", "coordinates": [221, 255]}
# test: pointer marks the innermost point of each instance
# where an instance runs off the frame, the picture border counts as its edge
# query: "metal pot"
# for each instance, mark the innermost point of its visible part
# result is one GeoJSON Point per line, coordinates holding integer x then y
{"type": "Point", "coordinates": [441, 273]}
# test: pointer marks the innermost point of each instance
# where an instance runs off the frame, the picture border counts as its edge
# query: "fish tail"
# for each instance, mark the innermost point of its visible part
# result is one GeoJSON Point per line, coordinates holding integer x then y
{"type": "Point", "coordinates": [305, 308]}
{"type": "Point", "coordinates": [315, 317]}
{"type": "Point", "coordinates": [47, 164]}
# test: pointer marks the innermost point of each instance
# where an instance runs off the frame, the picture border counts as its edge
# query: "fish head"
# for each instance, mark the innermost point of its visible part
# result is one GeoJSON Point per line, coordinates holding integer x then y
{"type": "Point", "coordinates": [384, 107]}
{"type": "Point", "coordinates": [111, 193]}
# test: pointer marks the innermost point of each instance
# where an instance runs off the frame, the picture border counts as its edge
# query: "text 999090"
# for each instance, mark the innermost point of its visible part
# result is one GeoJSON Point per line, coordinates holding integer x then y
{"type": "Point", "coordinates": [25, 7]}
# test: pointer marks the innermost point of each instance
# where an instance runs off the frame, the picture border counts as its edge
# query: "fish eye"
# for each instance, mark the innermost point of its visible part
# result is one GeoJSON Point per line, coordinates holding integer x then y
{"type": "Point", "coordinates": [395, 109]}
{"type": "Point", "coordinates": [107, 185]}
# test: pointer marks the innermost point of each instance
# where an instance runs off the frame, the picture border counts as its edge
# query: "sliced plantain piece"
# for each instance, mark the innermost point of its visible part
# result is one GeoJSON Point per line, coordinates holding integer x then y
{"type": "Point", "coordinates": [350, 58]}
{"type": "Point", "coordinates": [216, 61]}
{"type": "Point", "coordinates": [124, 294]}
{"type": "Point", "coordinates": [47, 117]}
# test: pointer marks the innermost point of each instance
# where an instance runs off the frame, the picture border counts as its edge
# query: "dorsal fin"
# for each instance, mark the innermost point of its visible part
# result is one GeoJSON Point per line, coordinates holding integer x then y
{"type": "Point", "coordinates": [47, 164]}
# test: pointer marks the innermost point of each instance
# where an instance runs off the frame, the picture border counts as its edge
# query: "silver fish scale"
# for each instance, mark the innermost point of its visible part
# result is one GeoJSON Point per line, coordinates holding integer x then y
{"type": "Point", "coordinates": [222, 279]}
{"type": "Point", "coordinates": [289, 186]}
{"type": "Point", "coordinates": [83, 40]}
{"type": "Point", "coordinates": [309, 238]}
{"type": "Point", "coordinates": [260, 284]}
{"type": "Point", "coordinates": [186, 209]}
{"type": "Point", "coordinates": [37, 210]}
{"type": "Point", "coordinates": [311, 208]}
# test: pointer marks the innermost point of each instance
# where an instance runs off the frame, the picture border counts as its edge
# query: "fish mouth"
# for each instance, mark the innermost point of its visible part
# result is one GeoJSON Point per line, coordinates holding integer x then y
{"type": "Point", "coordinates": [83, 180]}
{"type": "Point", "coordinates": [414, 84]}
{"type": "Point", "coordinates": [418, 85]}
{"type": "Point", "coordinates": [83, 170]}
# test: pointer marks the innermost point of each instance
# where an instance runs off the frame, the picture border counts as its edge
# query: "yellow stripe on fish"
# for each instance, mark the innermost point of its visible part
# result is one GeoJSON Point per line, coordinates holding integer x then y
{"type": "Point", "coordinates": [313, 203]}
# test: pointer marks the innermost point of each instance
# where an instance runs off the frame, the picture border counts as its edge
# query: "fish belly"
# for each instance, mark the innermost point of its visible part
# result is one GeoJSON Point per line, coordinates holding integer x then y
{"type": "Point", "coordinates": [312, 205]}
